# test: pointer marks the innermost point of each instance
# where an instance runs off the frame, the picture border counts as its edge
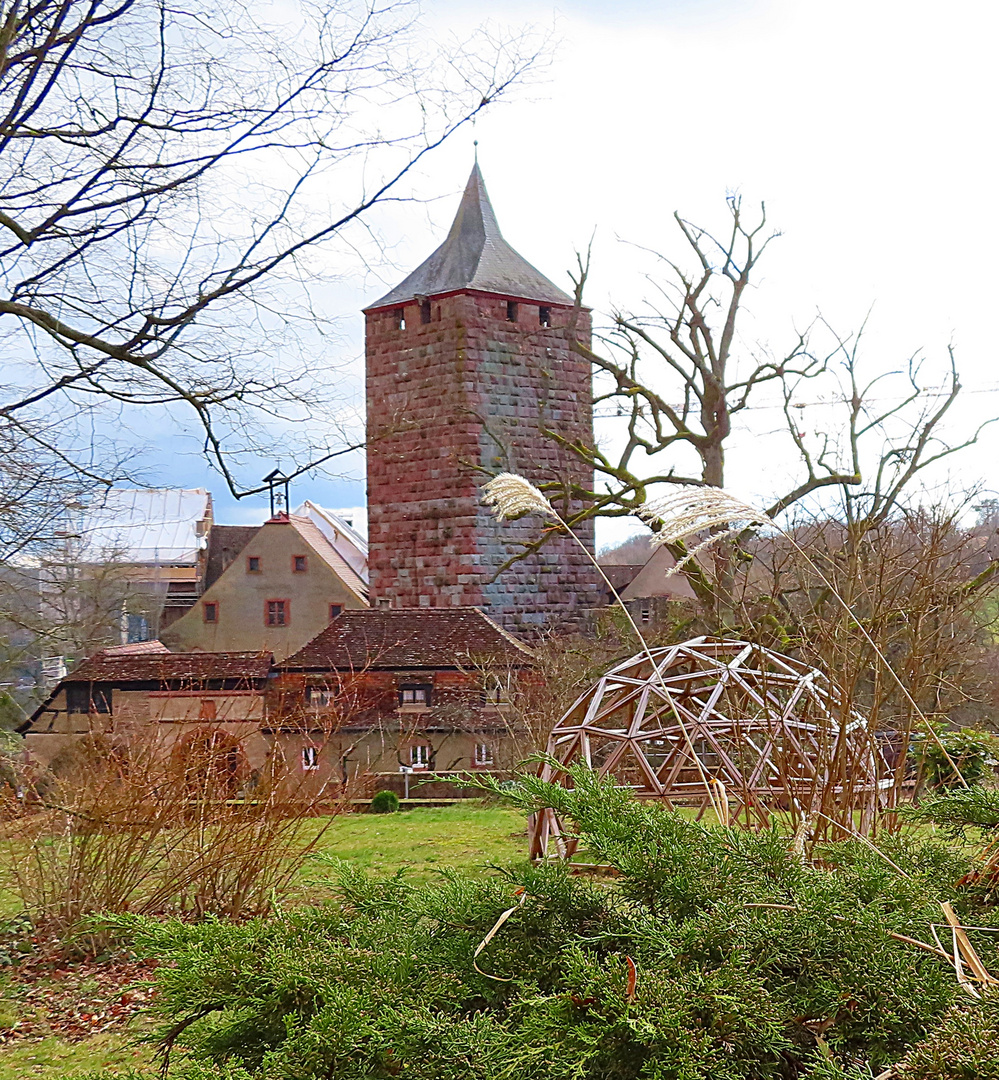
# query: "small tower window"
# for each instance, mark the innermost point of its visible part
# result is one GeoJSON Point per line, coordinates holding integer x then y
{"type": "Point", "coordinates": [511, 311]}
{"type": "Point", "coordinates": [399, 318]}
{"type": "Point", "coordinates": [425, 310]}
{"type": "Point", "coordinates": [545, 316]}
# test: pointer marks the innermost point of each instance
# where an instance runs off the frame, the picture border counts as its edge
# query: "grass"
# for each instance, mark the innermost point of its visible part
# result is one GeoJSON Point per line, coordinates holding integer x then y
{"type": "Point", "coordinates": [53, 1057]}
{"type": "Point", "coordinates": [468, 836]}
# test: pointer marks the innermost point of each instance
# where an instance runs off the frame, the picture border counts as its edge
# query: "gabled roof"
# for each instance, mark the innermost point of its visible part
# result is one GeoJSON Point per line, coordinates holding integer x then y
{"type": "Point", "coordinates": [475, 256]}
{"type": "Point", "coordinates": [393, 638]}
{"type": "Point", "coordinates": [169, 667]}
{"type": "Point", "coordinates": [310, 532]}
{"type": "Point", "coordinates": [340, 532]}
{"type": "Point", "coordinates": [136, 648]}
{"type": "Point", "coordinates": [652, 579]}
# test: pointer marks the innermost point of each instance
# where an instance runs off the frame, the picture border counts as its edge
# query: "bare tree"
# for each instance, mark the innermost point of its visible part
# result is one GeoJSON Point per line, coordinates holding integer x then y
{"type": "Point", "coordinates": [167, 173]}
{"type": "Point", "coordinates": [676, 379]}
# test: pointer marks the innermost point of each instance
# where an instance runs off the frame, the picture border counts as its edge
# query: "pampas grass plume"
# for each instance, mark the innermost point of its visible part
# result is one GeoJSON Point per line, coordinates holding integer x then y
{"type": "Point", "coordinates": [510, 496]}
{"type": "Point", "coordinates": [689, 509]}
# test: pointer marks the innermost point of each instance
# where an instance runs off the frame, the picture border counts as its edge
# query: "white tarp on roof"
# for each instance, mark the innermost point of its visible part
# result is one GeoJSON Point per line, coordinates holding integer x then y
{"type": "Point", "coordinates": [346, 530]}
{"type": "Point", "coordinates": [147, 525]}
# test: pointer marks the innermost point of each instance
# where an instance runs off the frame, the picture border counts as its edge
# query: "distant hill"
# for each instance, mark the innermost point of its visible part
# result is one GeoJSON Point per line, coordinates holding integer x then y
{"type": "Point", "coordinates": [633, 552]}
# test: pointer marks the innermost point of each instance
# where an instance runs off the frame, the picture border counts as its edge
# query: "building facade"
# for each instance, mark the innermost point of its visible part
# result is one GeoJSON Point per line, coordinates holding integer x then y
{"type": "Point", "coordinates": [391, 693]}
{"type": "Point", "coordinates": [469, 365]}
{"type": "Point", "coordinates": [378, 699]}
{"type": "Point", "coordinates": [284, 586]}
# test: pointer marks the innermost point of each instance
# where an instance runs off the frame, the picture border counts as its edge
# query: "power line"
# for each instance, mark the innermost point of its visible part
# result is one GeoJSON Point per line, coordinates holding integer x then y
{"type": "Point", "coordinates": [601, 415]}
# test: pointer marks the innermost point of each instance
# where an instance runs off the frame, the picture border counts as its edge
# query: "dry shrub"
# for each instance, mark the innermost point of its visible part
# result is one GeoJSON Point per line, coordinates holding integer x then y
{"type": "Point", "coordinates": [125, 827]}
{"type": "Point", "coordinates": [924, 589]}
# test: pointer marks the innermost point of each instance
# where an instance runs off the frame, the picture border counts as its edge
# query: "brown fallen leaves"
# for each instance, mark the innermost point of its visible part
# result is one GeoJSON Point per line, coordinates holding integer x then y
{"type": "Point", "coordinates": [73, 1001]}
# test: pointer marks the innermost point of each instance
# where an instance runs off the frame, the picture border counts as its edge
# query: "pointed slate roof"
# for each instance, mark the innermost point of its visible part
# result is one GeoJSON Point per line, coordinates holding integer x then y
{"type": "Point", "coordinates": [475, 256]}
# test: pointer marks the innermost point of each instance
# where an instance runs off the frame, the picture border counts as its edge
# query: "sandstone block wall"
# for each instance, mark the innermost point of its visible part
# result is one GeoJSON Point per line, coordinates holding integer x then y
{"type": "Point", "coordinates": [448, 402]}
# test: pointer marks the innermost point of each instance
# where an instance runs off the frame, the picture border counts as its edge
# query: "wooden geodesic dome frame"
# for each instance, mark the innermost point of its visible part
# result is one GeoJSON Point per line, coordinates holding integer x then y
{"type": "Point", "coordinates": [767, 733]}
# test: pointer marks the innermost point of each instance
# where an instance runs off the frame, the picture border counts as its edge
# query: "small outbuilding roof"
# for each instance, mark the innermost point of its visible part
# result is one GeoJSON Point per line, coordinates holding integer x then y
{"type": "Point", "coordinates": [112, 666]}
{"type": "Point", "coordinates": [392, 638]}
{"type": "Point", "coordinates": [476, 257]}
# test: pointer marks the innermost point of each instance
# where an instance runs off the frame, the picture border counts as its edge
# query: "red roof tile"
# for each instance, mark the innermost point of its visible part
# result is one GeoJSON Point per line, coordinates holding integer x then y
{"type": "Point", "coordinates": [408, 638]}
{"type": "Point", "coordinates": [155, 667]}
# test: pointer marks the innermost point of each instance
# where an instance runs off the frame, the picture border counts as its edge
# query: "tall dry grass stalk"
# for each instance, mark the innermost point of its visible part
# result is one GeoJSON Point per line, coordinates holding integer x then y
{"type": "Point", "coordinates": [511, 496]}
{"type": "Point", "coordinates": [692, 511]}
{"type": "Point", "coordinates": [130, 828]}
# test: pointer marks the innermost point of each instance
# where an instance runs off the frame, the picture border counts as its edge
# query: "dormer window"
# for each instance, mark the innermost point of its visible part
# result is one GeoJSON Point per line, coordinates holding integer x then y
{"type": "Point", "coordinates": [511, 311]}
{"type": "Point", "coordinates": [544, 316]}
{"type": "Point", "coordinates": [415, 696]}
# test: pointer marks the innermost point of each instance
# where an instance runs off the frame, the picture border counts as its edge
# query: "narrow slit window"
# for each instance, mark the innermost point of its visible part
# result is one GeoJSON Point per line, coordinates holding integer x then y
{"type": "Point", "coordinates": [545, 316]}
{"type": "Point", "coordinates": [424, 311]}
{"type": "Point", "coordinates": [511, 311]}
{"type": "Point", "coordinates": [399, 318]}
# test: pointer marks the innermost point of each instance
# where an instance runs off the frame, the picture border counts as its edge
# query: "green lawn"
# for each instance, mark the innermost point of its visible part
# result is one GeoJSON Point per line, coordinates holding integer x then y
{"type": "Point", "coordinates": [469, 836]}
{"type": "Point", "coordinates": [51, 1058]}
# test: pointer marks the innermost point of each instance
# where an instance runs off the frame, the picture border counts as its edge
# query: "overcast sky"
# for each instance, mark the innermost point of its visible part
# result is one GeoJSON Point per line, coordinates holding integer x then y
{"type": "Point", "coordinates": [868, 126]}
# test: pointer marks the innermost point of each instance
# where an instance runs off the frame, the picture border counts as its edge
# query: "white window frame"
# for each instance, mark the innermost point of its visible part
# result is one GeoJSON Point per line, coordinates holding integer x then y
{"type": "Point", "coordinates": [420, 755]}
{"type": "Point", "coordinates": [310, 758]}
{"type": "Point", "coordinates": [484, 756]}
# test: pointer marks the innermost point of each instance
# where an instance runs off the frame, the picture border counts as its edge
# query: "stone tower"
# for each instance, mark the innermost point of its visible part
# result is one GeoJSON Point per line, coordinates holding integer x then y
{"type": "Point", "coordinates": [466, 360]}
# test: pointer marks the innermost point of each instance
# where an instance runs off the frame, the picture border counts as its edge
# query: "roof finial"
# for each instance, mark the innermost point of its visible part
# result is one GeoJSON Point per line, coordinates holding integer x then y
{"type": "Point", "coordinates": [475, 146]}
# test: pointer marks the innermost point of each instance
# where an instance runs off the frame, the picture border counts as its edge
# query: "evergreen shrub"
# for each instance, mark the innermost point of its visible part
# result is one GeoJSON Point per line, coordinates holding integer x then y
{"type": "Point", "coordinates": [713, 955]}
{"type": "Point", "coordinates": [385, 802]}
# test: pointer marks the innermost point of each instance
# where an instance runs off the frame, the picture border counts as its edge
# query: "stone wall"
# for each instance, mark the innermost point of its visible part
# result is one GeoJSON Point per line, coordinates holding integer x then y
{"type": "Point", "coordinates": [450, 401]}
